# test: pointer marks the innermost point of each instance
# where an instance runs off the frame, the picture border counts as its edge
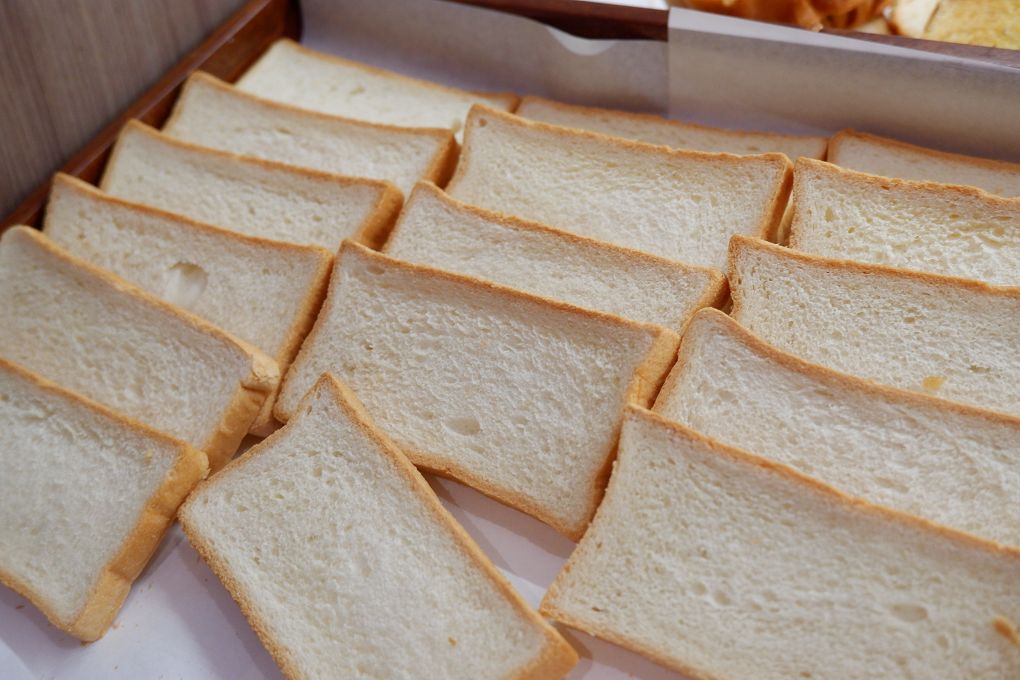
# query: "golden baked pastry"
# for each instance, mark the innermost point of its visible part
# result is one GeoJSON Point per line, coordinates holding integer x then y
{"type": "Point", "coordinates": [815, 14]}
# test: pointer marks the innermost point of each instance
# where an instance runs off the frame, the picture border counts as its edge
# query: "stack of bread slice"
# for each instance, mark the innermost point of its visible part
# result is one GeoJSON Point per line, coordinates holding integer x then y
{"type": "Point", "coordinates": [823, 483]}
{"type": "Point", "coordinates": [310, 255]}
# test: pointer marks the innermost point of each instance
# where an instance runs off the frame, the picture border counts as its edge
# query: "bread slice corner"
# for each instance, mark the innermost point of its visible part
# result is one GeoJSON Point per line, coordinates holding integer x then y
{"type": "Point", "coordinates": [331, 472]}
{"type": "Point", "coordinates": [127, 479]}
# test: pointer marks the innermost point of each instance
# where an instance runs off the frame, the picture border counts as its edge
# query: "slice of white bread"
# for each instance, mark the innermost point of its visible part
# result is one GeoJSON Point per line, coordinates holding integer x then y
{"type": "Point", "coordinates": [652, 129]}
{"type": "Point", "coordinates": [721, 564]}
{"type": "Point", "coordinates": [893, 158]}
{"type": "Point", "coordinates": [518, 396]}
{"type": "Point", "coordinates": [264, 292]}
{"type": "Point", "coordinates": [85, 496]}
{"type": "Point", "coordinates": [681, 205]}
{"type": "Point", "coordinates": [249, 195]}
{"type": "Point", "coordinates": [438, 231]}
{"type": "Point", "coordinates": [96, 334]}
{"type": "Point", "coordinates": [911, 17]}
{"type": "Point", "coordinates": [949, 337]}
{"type": "Point", "coordinates": [346, 564]}
{"type": "Point", "coordinates": [918, 454]}
{"type": "Point", "coordinates": [940, 228]}
{"type": "Point", "coordinates": [293, 74]}
{"type": "Point", "coordinates": [212, 113]}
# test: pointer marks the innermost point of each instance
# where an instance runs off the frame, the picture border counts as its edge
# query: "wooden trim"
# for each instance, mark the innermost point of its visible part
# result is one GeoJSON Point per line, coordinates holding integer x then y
{"type": "Point", "coordinates": [226, 53]}
{"type": "Point", "coordinates": [587, 19]}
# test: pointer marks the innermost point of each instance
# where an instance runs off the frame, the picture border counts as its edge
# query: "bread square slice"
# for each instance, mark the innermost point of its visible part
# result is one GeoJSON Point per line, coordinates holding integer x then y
{"type": "Point", "coordinates": [439, 231]}
{"type": "Point", "coordinates": [681, 205]}
{"type": "Point", "coordinates": [652, 129]}
{"type": "Point", "coordinates": [102, 337]}
{"type": "Point", "coordinates": [85, 497]}
{"type": "Point", "coordinates": [892, 158]}
{"type": "Point", "coordinates": [212, 113]}
{"type": "Point", "coordinates": [291, 73]}
{"type": "Point", "coordinates": [723, 565]}
{"type": "Point", "coordinates": [947, 337]}
{"type": "Point", "coordinates": [953, 464]}
{"type": "Point", "coordinates": [250, 195]}
{"type": "Point", "coordinates": [939, 228]}
{"type": "Point", "coordinates": [346, 564]}
{"type": "Point", "coordinates": [265, 292]}
{"type": "Point", "coordinates": [518, 396]}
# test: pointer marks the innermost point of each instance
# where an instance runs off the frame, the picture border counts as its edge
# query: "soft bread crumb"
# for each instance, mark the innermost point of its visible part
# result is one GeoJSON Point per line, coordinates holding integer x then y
{"type": "Point", "coordinates": [438, 231]}
{"type": "Point", "coordinates": [858, 436]}
{"type": "Point", "coordinates": [837, 589]}
{"type": "Point", "coordinates": [465, 376]}
{"type": "Point", "coordinates": [888, 325]}
{"type": "Point", "coordinates": [679, 205]}
{"type": "Point", "coordinates": [347, 565]}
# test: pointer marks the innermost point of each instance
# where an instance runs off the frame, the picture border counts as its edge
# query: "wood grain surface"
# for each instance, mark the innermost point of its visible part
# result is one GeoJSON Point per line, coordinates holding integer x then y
{"type": "Point", "coordinates": [70, 66]}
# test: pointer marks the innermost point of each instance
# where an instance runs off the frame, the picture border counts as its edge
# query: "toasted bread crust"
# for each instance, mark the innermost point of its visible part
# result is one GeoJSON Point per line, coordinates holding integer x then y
{"type": "Point", "coordinates": [809, 485]}
{"type": "Point", "coordinates": [740, 244]}
{"type": "Point", "coordinates": [137, 127]}
{"type": "Point", "coordinates": [679, 124]}
{"type": "Point", "coordinates": [79, 186]}
{"type": "Point", "coordinates": [820, 373]}
{"type": "Point", "coordinates": [506, 99]}
{"type": "Point", "coordinates": [253, 389]}
{"type": "Point", "coordinates": [875, 183]}
{"type": "Point", "coordinates": [647, 382]}
{"type": "Point", "coordinates": [437, 170]}
{"type": "Point", "coordinates": [311, 114]}
{"type": "Point", "coordinates": [837, 140]}
{"type": "Point", "coordinates": [767, 224]}
{"type": "Point", "coordinates": [304, 316]}
{"type": "Point", "coordinates": [647, 379]}
{"type": "Point", "coordinates": [715, 290]}
{"type": "Point", "coordinates": [833, 495]}
{"type": "Point", "coordinates": [375, 225]}
{"type": "Point", "coordinates": [114, 580]}
{"type": "Point", "coordinates": [549, 609]}
{"type": "Point", "coordinates": [442, 169]}
{"type": "Point", "coordinates": [556, 658]}
{"type": "Point", "coordinates": [241, 414]}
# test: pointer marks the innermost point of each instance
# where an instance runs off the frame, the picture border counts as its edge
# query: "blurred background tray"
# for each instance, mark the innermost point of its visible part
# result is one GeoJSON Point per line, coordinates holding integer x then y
{"type": "Point", "coordinates": [43, 118]}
